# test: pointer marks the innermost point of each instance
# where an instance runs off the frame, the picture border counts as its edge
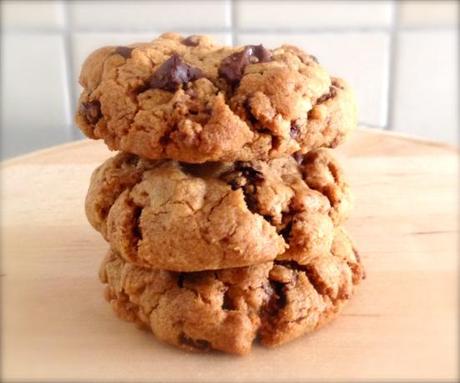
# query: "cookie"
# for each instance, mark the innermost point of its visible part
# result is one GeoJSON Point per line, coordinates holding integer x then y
{"type": "Point", "coordinates": [323, 173]}
{"type": "Point", "coordinates": [227, 309]}
{"type": "Point", "coordinates": [191, 100]}
{"type": "Point", "coordinates": [169, 215]}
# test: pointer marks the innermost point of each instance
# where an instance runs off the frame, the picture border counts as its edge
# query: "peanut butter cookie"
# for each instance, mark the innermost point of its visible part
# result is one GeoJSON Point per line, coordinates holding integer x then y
{"type": "Point", "coordinates": [169, 215]}
{"type": "Point", "coordinates": [191, 100]}
{"type": "Point", "coordinates": [227, 309]}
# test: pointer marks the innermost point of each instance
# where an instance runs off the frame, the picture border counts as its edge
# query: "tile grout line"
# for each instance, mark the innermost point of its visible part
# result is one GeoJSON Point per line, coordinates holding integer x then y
{"type": "Point", "coordinates": [234, 21]}
{"type": "Point", "coordinates": [68, 49]}
{"type": "Point", "coordinates": [288, 31]}
{"type": "Point", "coordinates": [392, 75]}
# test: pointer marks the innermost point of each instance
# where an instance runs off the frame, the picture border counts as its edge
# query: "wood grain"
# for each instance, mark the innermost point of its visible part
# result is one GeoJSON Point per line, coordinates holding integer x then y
{"type": "Point", "coordinates": [402, 324]}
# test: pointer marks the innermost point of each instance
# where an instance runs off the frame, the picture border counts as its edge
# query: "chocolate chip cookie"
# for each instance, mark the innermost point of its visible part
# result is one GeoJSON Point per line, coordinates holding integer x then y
{"type": "Point", "coordinates": [191, 217]}
{"type": "Point", "coordinates": [191, 100]}
{"type": "Point", "coordinates": [227, 309]}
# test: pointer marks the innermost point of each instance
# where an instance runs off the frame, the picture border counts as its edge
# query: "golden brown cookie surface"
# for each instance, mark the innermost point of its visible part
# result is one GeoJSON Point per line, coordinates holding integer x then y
{"type": "Point", "coordinates": [191, 100]}
{"type": "Point", "coordinates": [169, 215]}
{"type": "Point", "coordinates": [227, 309]}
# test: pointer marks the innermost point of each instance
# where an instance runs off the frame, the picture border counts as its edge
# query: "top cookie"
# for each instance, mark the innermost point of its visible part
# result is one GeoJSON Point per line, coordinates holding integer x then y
{"type": "Point", "coordinates": [191, 100]}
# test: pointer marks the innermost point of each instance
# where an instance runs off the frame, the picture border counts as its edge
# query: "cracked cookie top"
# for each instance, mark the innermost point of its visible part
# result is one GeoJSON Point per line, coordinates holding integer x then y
{"type": "Point", "coordinates": [191, 217]}
{"type": "Point", "coordinates": [227, 309]}
{"type": "Point", "coordinates": [191, 100]}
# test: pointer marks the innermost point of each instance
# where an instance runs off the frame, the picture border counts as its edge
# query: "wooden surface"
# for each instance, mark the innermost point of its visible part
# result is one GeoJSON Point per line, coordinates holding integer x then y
{"type": "Point", "coordinates": [402, 323]}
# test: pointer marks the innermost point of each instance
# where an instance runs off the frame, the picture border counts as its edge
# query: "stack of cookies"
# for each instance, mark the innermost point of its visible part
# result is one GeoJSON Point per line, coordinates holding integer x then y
{"type": "Point", "coordinates": [224, 208]}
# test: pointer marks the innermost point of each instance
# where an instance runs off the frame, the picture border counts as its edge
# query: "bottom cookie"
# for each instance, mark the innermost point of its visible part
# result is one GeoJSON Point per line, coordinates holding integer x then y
{"type": "Point", "coordinates": [227, 309]}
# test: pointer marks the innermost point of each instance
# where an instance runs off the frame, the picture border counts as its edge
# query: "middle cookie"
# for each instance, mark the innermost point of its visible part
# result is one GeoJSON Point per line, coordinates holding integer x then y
{"type": "Point", "coordinates": [169, 215]}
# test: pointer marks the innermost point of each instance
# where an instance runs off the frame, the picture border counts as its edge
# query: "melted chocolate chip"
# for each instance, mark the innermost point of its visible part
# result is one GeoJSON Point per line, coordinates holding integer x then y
{"type": "Point", "coordinates": [268, 218]}
{"type": "Point", "coordinates": [91, 110]}
{"type": "Point", "coordinates": [299, 157]}
{"type": "Point", "coordinates": [232, 67]}
{"type": "Point", "coordinates": [332, 93]}
{"type": "Point", "coordinates": [278, 299]}
{"type": "Point", "coordinates": [191, 41]}
{"type": "Point", "coordinates": [247, 178]}
{"type": "Point", "coordinates": [251, 200]}
{"type": "Point", "coordinates": [199, 344]}
{"type": "Point", "coordinates": [295, 129]}
{"type": "Point", "coordinates": [251, 174]}
{"type": "Point", "coordinates": [235, 184]}
{"type": "Point", "coordinates": [173, 73]}
{"type": "Point", "coordinates": [124, 51]}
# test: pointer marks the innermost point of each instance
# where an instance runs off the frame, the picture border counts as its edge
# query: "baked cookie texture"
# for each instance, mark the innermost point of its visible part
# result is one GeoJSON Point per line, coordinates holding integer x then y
{"type": "Point", "coordinates": [164, 214]}
{"type": "Point", "coordinates": [224, 208]}
{"type": "Point", "coordinates": [227, 309]}
{"type": "Point", "coordinates": [192, 100]}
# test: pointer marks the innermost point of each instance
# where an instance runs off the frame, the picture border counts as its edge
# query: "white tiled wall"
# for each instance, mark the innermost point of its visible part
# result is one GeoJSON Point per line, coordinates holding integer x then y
{"type": "Point", "coordinates": [32, 14]}
{"type": "Point", "coordinates": [400, 56]}
{"type": "Point", "coordinates": [423, 13]}
{"type": "Point", "coordinates": [163, 15]}
{"type": "Point", "coordinates": [295, 14]}
{"type": "Point", "coordinates": [34, 98]}
{"type": "Point", "coordinates": [426, 84]}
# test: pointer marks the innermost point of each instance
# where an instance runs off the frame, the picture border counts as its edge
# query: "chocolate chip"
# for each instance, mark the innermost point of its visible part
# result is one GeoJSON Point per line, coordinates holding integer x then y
{"type": "Point", "coordinates": [91, 110]}
{"type": "Point", "coordinates": [278, 299]}
{"type": "Point", "coordinates": [251, 174]}
{"type": "Point", "coordinates": [191, 41]}
{"type": "Point", "coordinates": [236, 183]}
{"type": "Point", "coordinates": [173, 73]}
{"type": "Point", "coordinates": [298, 156]}
{"type": "Point", "coordinates": [232, 67]}
{"type": "Point", "coordinates": [268, 218]}
{"type": "Point", "coordinates": [295, 129]}
{"type": "Point", "coordinates": [199, 344]}
{"type": "Point", "coordinates": [332, 93]}
{"type": "Point", "coordinates": [124, 51]}
{"type": "Point", "coordinates": [245, 177]}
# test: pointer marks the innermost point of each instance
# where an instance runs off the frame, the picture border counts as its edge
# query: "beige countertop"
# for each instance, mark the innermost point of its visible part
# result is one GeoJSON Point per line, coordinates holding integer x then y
{"type": "Point", "coordinates": [401, 324]}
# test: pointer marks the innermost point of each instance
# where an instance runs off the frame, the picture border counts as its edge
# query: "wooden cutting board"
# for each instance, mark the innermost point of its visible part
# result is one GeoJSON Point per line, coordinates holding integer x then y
{"type": "Point", "coordinates": [402, 323]}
